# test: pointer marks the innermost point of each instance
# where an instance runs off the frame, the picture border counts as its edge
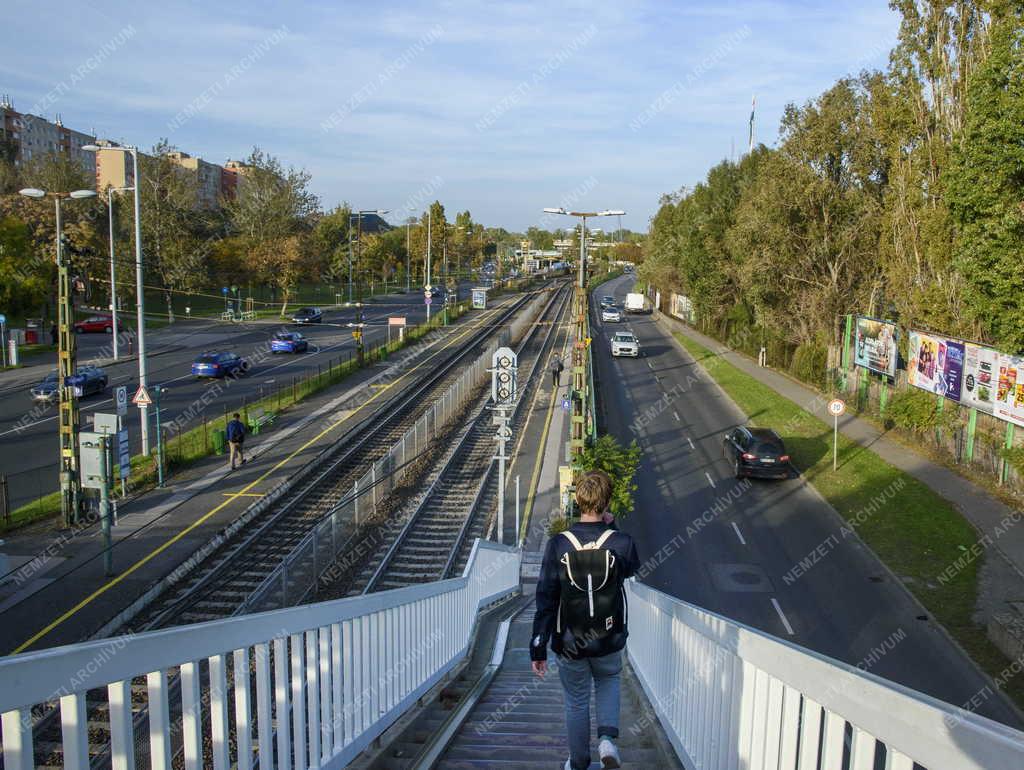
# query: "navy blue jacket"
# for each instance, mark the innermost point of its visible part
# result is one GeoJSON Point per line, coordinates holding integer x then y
{"type": "Point", "coordinates": [236, 431]}
{"type": "Point", "coordinates": [549, 587]}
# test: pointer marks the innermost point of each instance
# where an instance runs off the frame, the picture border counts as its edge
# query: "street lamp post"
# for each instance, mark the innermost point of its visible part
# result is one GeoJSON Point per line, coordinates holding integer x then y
{"type": "Point", "coordinates": [579, 416]}
{"type": "Point", "coordinates": [70, 467]}
{"type": "Point", "coordinates": [359, 237]}
{"type": "Point", "coordinates": [113, 273]}
{"type": "Point", "coordinates": [140, 299]}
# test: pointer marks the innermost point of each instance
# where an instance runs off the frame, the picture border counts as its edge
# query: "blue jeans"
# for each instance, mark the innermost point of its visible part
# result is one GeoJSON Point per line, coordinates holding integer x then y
{"type": "Point", "coordinates": [576, 676]}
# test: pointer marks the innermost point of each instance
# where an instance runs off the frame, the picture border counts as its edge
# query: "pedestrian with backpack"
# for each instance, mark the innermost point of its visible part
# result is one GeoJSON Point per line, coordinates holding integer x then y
{"type": "Point", "coordinates": [581, 609]}
{"type": "Point", "coordinates": [236, 439]}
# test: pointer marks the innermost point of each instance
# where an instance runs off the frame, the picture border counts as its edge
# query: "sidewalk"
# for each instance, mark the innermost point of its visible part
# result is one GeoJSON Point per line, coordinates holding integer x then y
{"type": "Point", "coordinates": [993, 519]}
{"type": "Point", "coordinates": [58, 593]}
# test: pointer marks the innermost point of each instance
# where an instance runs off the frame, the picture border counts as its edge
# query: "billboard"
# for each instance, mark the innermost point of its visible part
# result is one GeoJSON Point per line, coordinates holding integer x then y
{"type": "Point", "coordinates": [936, 364]}
{"type": "Point", "coordinates": [1010, 389]}
{"type": "Point", "coordinates": [875, 345]}
{"type": "Point", "coordinates": [981, 373]}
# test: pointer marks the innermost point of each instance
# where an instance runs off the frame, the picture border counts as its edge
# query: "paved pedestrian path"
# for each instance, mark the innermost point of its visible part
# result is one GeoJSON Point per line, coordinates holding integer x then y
{"type": "Point", "coordinates": [999, 526]}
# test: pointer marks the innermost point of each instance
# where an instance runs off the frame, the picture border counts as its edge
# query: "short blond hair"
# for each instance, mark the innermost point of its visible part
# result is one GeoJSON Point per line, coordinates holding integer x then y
{"type": "Point", "coordinates": [594, 491]}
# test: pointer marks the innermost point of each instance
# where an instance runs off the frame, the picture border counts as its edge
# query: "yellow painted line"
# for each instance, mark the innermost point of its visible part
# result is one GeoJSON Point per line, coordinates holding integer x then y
{"type": "Point", "coordinates": [531, 490]}
{"type": "Point", "coordinates": [216, 509]}
{"type": "Point", "coordinates": [243, 494]}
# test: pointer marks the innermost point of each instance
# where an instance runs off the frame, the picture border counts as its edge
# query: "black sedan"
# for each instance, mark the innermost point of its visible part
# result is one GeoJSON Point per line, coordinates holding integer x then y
{"type": "Point", "coordinates": [757, 452]}
{"type": "Point", "coordinates": [308, 315]}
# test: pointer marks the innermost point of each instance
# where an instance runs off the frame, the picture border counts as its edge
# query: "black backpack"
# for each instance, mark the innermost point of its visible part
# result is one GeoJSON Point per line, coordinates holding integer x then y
{"type": "Point", "coordinates": [591, 612]}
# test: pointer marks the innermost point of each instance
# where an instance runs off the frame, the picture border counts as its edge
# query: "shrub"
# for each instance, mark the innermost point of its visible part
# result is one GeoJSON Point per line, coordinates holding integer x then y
{"type": "Point", "coordinates": [618, 461]}
{"type": "Point", "coordinates": [1015, 457]}
{"type": "Point", "coordinates": [809, 362]}
{"type": "Point", "coordinates": [917, 411]}
{"type": "Point", "coordinates": [558, 524]}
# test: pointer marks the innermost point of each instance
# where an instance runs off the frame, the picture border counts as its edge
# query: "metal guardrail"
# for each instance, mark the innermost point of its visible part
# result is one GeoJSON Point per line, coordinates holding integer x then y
{"type": "Point", "coordinates": [730, 696]}
{"type": "Point", "coordinates": [328, 678]}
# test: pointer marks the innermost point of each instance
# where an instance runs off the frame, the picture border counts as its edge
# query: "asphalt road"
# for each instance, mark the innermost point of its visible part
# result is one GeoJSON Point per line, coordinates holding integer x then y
{"type": "Point", "coordinates": [28, 432]}
{"type": "Point", "coordinates": [749, 537]}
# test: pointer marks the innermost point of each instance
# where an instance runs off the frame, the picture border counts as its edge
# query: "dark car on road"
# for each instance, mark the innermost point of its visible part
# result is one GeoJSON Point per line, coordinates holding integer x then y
{"type": "Point", "coordinates": [308, 315]}
{"type": "Point", "coordinates": [219, 364]}
{"type": "Point", "coordinates": [757, 452]}
{"type": "Point", "coordinates": [288, 342]}
{"type": "Point", "coordinates": [87, 381]}
{"type": "Point", "coordinates": [97, 323]}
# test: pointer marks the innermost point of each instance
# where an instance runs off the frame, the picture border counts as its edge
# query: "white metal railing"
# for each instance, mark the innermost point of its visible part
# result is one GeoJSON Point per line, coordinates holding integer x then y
{"type": "Point", "coordinates": [328, 678]}
{"type": "Point", "coordinates": [730, 696]}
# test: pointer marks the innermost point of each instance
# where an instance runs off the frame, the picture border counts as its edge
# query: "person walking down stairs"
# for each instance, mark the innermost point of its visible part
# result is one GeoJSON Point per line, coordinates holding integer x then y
{"type": "Point", "coordinates": [581, 612]}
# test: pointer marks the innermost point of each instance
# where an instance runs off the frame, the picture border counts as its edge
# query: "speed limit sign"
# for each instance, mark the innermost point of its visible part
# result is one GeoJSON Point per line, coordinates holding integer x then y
{"type": "Point", "coordinates": [837, 407]}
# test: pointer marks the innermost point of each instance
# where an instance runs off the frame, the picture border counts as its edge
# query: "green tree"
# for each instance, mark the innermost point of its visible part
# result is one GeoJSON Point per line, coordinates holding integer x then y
{"type": "Point", "coordinates": [272, 202]}
{"type": "Point", "coordinates": [618, 461]}
{"type": "Point", "coordinates": [26, 278]}
{"type": "Point", "coordinates": [174, 255]}
{"type": "Point", "coordinates": [985, 181]}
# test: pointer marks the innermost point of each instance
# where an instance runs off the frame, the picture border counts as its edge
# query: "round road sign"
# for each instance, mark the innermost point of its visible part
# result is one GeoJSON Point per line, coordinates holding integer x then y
{"type": "Point", "coordinates": [836, 407]}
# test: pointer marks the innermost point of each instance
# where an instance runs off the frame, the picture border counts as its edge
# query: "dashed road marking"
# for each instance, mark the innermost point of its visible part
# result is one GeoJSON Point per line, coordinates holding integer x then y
{"type": "Point", "coordinates": [738, 533]}
{"type": "Point", "coordinates": [782, 617]}
{"type": "Point", "coordinates": [691, 442]}
{"type": "Point", "coordinates": [710, 480]}
{"type": "Point", "coordinates": [676, 415]}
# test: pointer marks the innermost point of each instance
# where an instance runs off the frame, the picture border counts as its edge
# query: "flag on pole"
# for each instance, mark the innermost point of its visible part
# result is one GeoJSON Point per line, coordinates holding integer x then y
{"type": "Point", "coordinates": [753, 109]}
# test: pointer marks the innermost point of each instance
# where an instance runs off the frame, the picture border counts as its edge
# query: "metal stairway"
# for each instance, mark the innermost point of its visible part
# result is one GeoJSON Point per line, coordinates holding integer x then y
{"type": "Point", "coordinates": [519, 723]}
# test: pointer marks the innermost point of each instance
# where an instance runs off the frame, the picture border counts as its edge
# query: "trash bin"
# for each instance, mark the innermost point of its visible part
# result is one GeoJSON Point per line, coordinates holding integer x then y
{"type": "Point", "coordinates": [219, 441]}
{"type": "Point", "coordinates": [34, 331]}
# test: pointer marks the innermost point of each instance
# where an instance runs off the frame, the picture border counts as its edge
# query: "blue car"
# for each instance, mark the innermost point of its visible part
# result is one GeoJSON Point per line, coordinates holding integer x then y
{"type": "Point", "coordinates": [222, 364]}
{"type": "Point", "coordinates": [288, 342]}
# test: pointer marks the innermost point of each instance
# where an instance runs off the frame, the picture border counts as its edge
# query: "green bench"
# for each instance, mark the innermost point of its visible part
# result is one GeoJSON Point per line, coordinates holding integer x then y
{"type": "Point", "coordinates": [259, 419]}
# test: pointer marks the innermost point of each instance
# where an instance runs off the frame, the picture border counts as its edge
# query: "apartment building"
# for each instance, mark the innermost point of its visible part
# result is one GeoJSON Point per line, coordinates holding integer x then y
{"type": "Point", "coordinates": [207, 177]}
{"type": "Point", "coordinates": [232, 178]}
{"type": "Point", "coordinates": [33, 136]}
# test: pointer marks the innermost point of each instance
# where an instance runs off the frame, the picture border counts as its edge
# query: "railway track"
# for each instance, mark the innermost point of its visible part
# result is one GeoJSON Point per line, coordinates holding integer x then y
{"type": "Point", "coordinates": [437, 534]}
{"type": "Point", "coordinates": [219, 583]}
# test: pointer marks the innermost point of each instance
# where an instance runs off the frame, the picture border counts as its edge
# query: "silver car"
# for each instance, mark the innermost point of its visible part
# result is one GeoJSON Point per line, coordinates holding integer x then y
{"type": "Point", "coordinates": [611, 315]}
{"type": "Point", "coordinates": [625, 344]}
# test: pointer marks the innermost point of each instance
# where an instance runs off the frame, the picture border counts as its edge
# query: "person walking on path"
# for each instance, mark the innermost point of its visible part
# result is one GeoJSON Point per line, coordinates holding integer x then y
{"type": "Point", "coordinates": [581, 610]}
{"type": "Point", "coordinates": [236, 440]}
{"type": "Point", "coordinates": [556, 372]}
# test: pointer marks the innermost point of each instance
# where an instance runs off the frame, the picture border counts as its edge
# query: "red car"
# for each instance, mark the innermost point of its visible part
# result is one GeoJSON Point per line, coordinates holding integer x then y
{"type": "Point", "coordinates": [98, 323]}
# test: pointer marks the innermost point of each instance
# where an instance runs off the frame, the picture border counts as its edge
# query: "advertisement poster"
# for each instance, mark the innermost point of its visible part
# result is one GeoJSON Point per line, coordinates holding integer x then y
{"type": "Point", "coordinates": [981, 373]}
{"type": "Point", "coordinates": [874, 346]}
{"type": "Point", "coordinates": [1010, 389]}
{"type": "Point", "coordinates": [936, 365]}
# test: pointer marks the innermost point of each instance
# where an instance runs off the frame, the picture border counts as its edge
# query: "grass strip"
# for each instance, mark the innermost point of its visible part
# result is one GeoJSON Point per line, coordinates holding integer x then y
{"type": "Point", "coordinates": [918, 534]}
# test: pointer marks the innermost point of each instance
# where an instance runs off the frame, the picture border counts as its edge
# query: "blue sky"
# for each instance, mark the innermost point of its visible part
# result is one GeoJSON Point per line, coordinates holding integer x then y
{"type": "Point", "coordinates": [499, 108]}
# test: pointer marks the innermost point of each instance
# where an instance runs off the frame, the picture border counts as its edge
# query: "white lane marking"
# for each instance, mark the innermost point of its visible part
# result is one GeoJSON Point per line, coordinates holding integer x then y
{"type": "Point", "coordinates": [691, 442]}
{"type": "Point", "coordinates": [738, 533]}
{"type": "Point", "coordinates": [649, 366]}
{"type": "Point", "coordinates": [710, 480]}
{"type": "Point", "coordinates": [676, 415]}
{"type": "Point", "coordinates": [785, 622]}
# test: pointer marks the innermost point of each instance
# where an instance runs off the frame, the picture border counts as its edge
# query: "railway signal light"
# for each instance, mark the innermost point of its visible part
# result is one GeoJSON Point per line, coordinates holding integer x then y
{"type": "Point", "coordinates": [504, 365]}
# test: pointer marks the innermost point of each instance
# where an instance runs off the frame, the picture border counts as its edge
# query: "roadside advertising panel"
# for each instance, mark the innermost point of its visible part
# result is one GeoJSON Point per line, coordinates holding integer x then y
{"type": "Point", "coordinates": [936, 365]}
{"type": "Point", "coordinates": [875, 346]}
{"type": "Point", "coordinates": [981, 373]}
{"type": "Point", "coordinates": [1010, 389]}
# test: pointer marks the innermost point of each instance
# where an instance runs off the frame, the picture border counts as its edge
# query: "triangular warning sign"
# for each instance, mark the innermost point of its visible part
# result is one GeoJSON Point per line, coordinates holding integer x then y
{"type": "Point", "coordinates": [141, 397]}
